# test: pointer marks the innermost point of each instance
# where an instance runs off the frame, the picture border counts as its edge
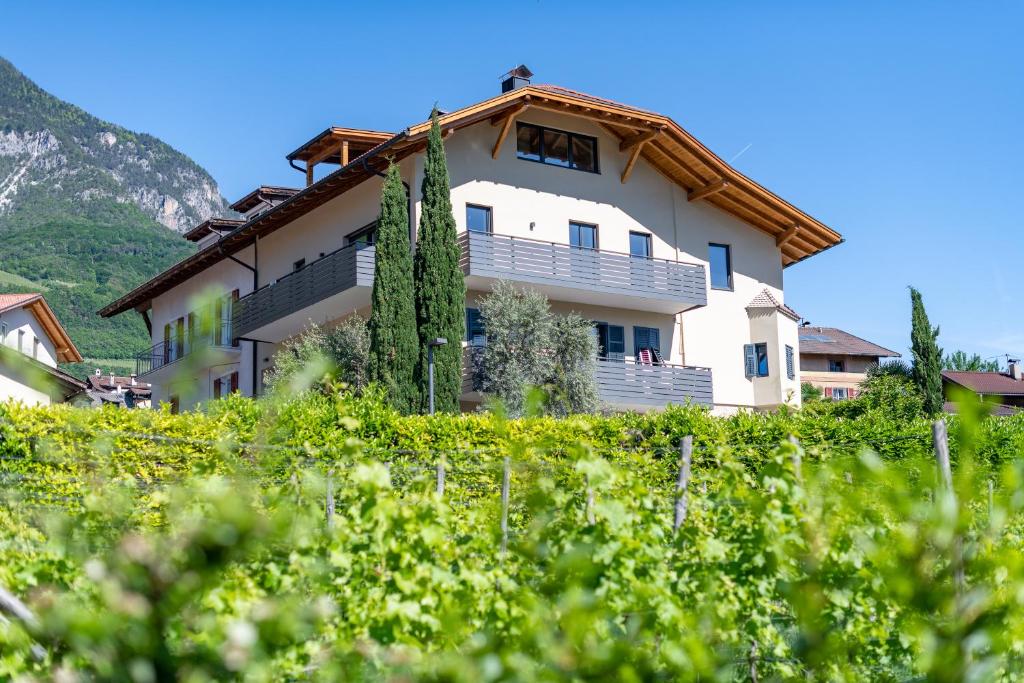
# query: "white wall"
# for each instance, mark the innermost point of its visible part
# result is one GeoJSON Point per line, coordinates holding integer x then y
{"type": "Point", "coordinates": [14, 388]}
{"type": "Point", "coordinates": [25, 321]}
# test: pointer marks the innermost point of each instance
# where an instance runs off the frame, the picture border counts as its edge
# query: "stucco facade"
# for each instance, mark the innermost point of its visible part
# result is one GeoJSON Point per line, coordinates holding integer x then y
{"type": "Point", "coordinates": [29, 353]}
{"type": "Point", "coordinates": [532, 201]}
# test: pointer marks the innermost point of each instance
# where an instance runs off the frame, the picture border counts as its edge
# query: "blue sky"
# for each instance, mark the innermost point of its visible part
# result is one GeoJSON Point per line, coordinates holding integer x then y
{"type": "Point", "coordinates": [899, 124]}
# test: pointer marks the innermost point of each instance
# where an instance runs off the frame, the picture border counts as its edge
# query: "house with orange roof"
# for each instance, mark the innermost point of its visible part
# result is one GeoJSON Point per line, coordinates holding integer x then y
{"type": "Point", "coordinates": [613, 211]}
{"type": "Point", "coordinates": [32, 343]}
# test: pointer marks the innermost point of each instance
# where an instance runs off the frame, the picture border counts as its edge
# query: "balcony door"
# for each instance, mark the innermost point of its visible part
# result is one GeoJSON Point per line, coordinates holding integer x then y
{"type": "Point", "coordinates": [611, 341]}
{"type": "Point", "coordinates": [583, 257]}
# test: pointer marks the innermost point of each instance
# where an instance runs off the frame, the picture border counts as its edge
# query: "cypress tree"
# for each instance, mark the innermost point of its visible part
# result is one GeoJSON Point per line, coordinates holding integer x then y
{"type": "Point", "coordinates": [393, 355]}
{"type": "Point", "coordinates": [927, 369]}
{"type": "Point", "coordinates": [440, 288]}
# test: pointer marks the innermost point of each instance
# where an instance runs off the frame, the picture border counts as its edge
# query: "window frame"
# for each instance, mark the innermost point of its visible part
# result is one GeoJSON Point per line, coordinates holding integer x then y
{"type": "Point", "coordinates": [833, 364]}
{"type": "Point", "coordinates": [490, 218]}
{"type": "Point", "coordinates": [604, 341]}
{"type": "Point", "coordinates": [299, 264]}
{"type": "Point", "coordinates": [758, 347]}
{"type": "Point", "coordinates": [636, 345]}
{"type": "Point", "coordinates": [583, 224]}
{"type": "Point", "coordinates": [647, 239]}
{"type": "Point", "coordinates": [368, 229]}
{"type": "Point", "coordinates": [570, 136]}
{"type": "Point", "coordinates": [728, 267]}
{"type": "Point", "coordinates": [473, 315]}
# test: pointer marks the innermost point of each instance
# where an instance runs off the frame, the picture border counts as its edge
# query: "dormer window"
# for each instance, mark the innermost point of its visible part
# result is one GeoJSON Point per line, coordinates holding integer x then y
{"type": "Point", "coordinates": [556, 147]}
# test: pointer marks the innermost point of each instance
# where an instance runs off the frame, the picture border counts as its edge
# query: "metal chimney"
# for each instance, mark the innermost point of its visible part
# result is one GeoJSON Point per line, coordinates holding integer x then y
{"type": "Point", "coordinates": [516, 78]}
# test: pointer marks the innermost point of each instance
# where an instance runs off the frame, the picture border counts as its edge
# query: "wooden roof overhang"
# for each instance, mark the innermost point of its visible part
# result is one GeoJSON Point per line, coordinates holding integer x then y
{"type": "Point", "coordinates": [326, 147]}
{"type": "Point", "coordinates": [211, 225]}
{"type": "Point", "coordinates": [263, 193]}
{"type": "Point", "coordinates": [66, 350]}
{"type": "Point", "coordinates": [659, 139]}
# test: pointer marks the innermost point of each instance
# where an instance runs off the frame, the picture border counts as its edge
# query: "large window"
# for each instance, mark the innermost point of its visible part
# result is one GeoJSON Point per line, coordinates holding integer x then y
{"type": "Point", "coordinates": [721, 266]}
{"type": "Point", "coordinates": [640, 244]}
{"type": "Point", "coordinates": [478, 218]}
{"type": "Point", "coordinates": [583, 235]}
{"type": "Point", "coordinates": [365, 236]}
{"type": "Point", "coordinates": [475, 333]}
{"type": "Point", "coordinates": [647, 339]}
{"type": "Point", "coordinates": [556, 147]}
{"type": "Point", "coordinates": [836, 366]}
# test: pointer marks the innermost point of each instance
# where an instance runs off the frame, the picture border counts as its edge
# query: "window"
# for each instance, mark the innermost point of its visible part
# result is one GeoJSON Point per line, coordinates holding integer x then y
{"type": "Point", "coordinates": [640, 244]}
{"type": "Point", "coordinates": [475, 333]}
{"type": "Point", "coordinates": [583, 235]}
{"type": "Point", "coordinates": [835, 366]}
{"type": "Point", "coordinates": [21, 341]}
{"type": "Point", "coordinates": [755, 360]}
{"type": "Point", "coordinates": [365, 236]}
{"type": "Point", "coordinates": [838, 393]}
{"type": "Point", "coordinates": [647, 339]}
{"type": "Point", "coordinates": [299, 265]}
{"type": "Point", "coordinates": [790, 364]}
{"type": "Point", "coordinates": [721, 266]}
{"type": "Point", "coordinates": [35, 348]}
{"type": "Point", "coordinates": [611, 341]}
{"type": "Point", "coordinates": [478, 218]}
{"type": "Point", "coordinates": [556, 147]}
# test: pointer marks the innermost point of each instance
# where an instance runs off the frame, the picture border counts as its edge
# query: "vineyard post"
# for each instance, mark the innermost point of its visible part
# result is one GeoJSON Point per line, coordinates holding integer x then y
{"type": "Point", "coordinates": [440, 475]}
{"type": "Point", "coordinates": [683, 482]}
{"type": "Point", "coordinates": [752, 659]}
{"type": "Point", "coordinates": [506, 482]}
{"type": "Point", "coordinates": [330, 499]}
{"type": "Point", "coordinates": [940, 441]}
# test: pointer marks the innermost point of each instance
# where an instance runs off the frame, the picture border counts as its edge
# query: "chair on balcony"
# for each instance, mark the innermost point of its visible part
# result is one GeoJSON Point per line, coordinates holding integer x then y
{"type": "Point", "coordinates": [648, 356]}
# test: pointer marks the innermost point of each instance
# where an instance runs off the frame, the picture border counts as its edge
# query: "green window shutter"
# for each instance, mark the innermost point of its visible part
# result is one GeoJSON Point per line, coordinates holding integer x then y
{"type": "Point", "coordinates": [749, 360]}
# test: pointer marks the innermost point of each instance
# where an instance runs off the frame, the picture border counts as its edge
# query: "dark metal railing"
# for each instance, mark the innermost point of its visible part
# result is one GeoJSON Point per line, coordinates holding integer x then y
{"type": "Point", "coordinates": [331, 274]}
{"type": "Point", "coordinates": [220, 333]}
{"type": "Point", "coordinates": [551, 263]}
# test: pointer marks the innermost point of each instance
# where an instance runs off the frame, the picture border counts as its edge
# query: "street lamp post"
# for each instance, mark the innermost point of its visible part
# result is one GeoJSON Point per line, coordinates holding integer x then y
{"type": "Point", "coordinates": [440, 341]}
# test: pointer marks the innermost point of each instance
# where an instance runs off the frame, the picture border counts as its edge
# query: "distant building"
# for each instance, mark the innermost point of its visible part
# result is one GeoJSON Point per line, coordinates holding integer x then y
{"type": "Point", "coordinates": [122, 391]}
{"type": "Point", "coordinates": [1005, 388]}
{"type": "Point", "coordinates": [32, 342]}
{"type": "Point", "coordinates": [836, 361]}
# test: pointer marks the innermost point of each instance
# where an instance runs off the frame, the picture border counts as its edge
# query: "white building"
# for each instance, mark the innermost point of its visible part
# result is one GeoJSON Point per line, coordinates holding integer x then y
{"type": "Point", "coordinates": [614, 212]}
{"type": "Point", "coordinates": [32, 342]}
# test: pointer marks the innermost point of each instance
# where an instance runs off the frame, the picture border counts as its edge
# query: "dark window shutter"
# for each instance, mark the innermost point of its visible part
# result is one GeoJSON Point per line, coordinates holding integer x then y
{"type": "Point", "coordinates": [229, 328]}
{"type": "Point", "coordinates": [749, 360]}
{"type": "Point", "coordinates": [216, 388]}
{"type": "Point", "coordinates": [790, 369]}
{"type": "Point", "coordinates": [234, 382]}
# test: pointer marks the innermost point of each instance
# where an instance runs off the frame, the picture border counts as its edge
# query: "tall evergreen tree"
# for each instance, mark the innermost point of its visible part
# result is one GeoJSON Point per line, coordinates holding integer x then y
{"type": "Point", "coordinates": [393, 342]}
{"type": "Point", "coordinates": [927, 368]}
{"type": "Point", "coordinates": [440, 288]}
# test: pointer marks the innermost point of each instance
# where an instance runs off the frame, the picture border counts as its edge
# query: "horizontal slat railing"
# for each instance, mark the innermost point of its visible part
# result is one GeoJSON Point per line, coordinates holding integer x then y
{"type": "Point", "coordinates": [628, 383]}
{"type": "Point", "coordinates": [334, 273]}
{"type": "Point", "coordinates": [532, 261]}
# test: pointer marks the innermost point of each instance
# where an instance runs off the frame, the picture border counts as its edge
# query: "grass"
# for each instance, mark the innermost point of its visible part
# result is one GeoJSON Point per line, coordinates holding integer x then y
{"type": "Point", "coordinates": [19, 281]}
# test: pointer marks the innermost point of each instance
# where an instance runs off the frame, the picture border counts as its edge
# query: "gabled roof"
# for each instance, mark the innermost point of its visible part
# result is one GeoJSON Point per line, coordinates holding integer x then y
{"type": "Point", "coordinates": [832, 341]}
{"type": "Point", "coordinates": [767, 300]}
{"type": "Point", "coordinates": [263, 193]}
{"type": "Point", "coordinates": [212, 225]}
{"type": "Point", "coordinates": [69, 386]}
{"type": "Point", "coordinates": [326, 145]}
{"type": "Point", "coordinates": [67, 352]}
{"type": "Point", "coordinates": [988, 383]}
{"type": "Point", "coordinates": [662, 142]}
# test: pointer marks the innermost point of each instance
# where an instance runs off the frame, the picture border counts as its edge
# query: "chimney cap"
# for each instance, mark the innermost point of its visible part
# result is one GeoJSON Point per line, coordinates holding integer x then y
{"type": "Point", "coordinates": [520, 71]}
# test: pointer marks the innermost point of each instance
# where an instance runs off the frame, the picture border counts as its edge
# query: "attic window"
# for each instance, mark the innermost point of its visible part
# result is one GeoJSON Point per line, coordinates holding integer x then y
{"type": "Point", "coordinates": [556, 147]}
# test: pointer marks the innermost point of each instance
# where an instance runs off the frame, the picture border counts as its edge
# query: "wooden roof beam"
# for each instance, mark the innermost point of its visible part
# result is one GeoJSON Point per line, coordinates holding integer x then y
{"type": "Point", "coordinates": [638, 140]}
{"type": "Point", "coordinates": [506, 122]}
{"type": "Point", "coordinates": [707, 190]}
{"type": "Point", "coordinates": [786, 236]}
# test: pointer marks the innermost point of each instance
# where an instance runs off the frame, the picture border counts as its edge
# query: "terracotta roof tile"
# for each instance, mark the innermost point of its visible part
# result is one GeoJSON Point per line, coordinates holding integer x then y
{"type": "Point", "coordinates": [767, 300]}
{"type": "Point", "coordinates": [833, 341]}
{"type": "Point", "coordinates": [992, 383]}
{"type": "Point", "coordinates": [9, 301]}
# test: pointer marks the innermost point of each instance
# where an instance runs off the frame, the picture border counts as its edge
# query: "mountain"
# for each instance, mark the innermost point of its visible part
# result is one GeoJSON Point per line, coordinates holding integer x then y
{"type": "Point", "coordinates": [88, 210]}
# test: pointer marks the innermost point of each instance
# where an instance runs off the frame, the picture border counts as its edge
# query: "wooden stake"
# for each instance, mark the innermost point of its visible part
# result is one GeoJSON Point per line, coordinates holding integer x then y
{"type": "Point", "coordinates": [940, 441]}
{"type": "Point", "coordinates": [506, 482]}
{"type": "Point", "coordinates": [683, 482]}
{"type": "Point", "coordinates": [752, 660]}
{"type": "Point", "coordinates": [330, 499]}
{"type": "Point", "coordinates": [440, 476]}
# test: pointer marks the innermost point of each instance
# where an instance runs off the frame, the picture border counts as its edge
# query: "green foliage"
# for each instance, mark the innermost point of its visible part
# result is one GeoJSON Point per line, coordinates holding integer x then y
{"type": "Point", "coordinates": [393, 338]}
{"type": "Point", "coordinates": [84, 265]}
{"type": "Point", "coordinates": [573, 385]}
{"type": "Point", "coordinates": [517, 355]}
{"type": "Point", "coordinates": [959, 360]}
{"type": "Point", "coordinates": [440, 284]}
{"type": "Point", "coordinates": [200, 552]}
{"type": "Point", "coordinates": [927, 368]}
{"type": "Point", "coordinates": [809, 392]}
{"type": "Point", "coordinates": [341, 353]}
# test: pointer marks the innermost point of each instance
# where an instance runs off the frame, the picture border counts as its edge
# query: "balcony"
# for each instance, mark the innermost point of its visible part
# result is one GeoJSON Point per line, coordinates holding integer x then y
{"type": "Point", "coordinates": [325, 289]}
{"type": "Point", "coordinates": [163, 361]}
{"type": "Point", "coordinates": [585, 276]}
{"type": "Point", "coordinates": [621, 384]}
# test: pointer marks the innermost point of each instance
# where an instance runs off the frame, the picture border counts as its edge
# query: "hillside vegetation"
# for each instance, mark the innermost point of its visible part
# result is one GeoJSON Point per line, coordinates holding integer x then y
{"type": "Point", "coordinates": [82, 264]}
{"type": "Point", "coordinates": [303, 537]}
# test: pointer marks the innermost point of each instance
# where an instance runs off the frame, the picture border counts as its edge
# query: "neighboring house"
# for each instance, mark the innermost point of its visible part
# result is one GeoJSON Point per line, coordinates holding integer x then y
{"type": "Point", "coordinates": [32, 342]}
{"type": "Point", "coordinates": [836, 361]}
{"type": "Point", "coordinates": [612, 211]}
{"type": "Point", "coordinates": [1005, 389]}
{"type": "Point", "coordinates": [127, 392]}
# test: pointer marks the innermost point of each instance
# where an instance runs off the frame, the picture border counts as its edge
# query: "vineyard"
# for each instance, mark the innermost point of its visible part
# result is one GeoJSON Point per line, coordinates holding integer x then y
{"type": "Point", "coordinates": [324, 537]}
